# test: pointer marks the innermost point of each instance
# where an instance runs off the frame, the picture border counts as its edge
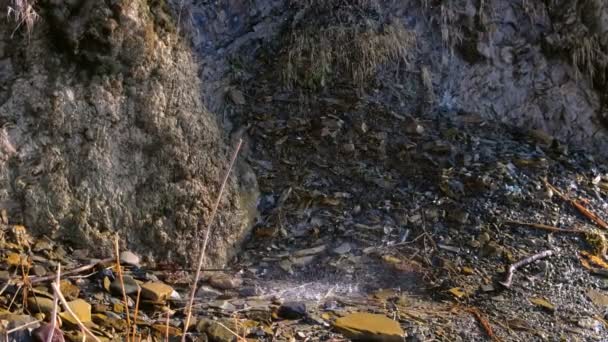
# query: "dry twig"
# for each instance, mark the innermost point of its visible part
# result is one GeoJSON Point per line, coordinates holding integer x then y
{"type": "Point", "coordinates": [21, 327]}
{"type": "Point", "coordinates": [136, 312]}
{"type": "Point", "coordinates": [578, 205]}
{"type": "Point", "coordinates": [167, 326]}
{"type": "Point", "coordinates": [201, 259]}
{"type": "Point", "coordinates": [55, 305]}
{"type": "Point", "coordinates": [509, 279]}
{"type": "Point", "coordinates": [122, 284]}
{"type": "Point", "coordinates": [545, 227]}
{"type": "Point", "coordinates": [36, 280]}
{"type": "Point", "coordinates": [484, 322]}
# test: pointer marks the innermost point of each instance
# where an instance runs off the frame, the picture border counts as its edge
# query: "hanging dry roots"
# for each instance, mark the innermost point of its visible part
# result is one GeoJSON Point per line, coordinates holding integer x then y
{"type": "Point", "coordinates": [24, 14]}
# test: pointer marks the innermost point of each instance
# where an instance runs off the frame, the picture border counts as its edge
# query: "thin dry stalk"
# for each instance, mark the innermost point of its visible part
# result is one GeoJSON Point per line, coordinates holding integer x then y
{"type": "Point", "coordinates": [201, 259]}
{"type": "Point", "coordinates": [577, 204]}
{"type": "Point", "coordinates": [21, 327]}
{"type": "Point", "coordinates": [14, 297]}
{"type": "Point", "coordinates": [24, 14]}
{"type": "Point", "coordinates": [136, 312]}
{"type": "Point", "coordinates": [167, 326]}
{"type": "Point", "coordinates": [122, 284]}
{"type": "Point", "coordinates": [55, 305]}
{"type": "Point", "coordinates": [64, 302]}
{"type": "Point", "coordinates": [509, 279]}
{"type": "Point", "coordinates": [545, 227]}
{"type": "Point", "coordinates": [484, 322]}
{"type": "Point", "coordinates": [36, 280]}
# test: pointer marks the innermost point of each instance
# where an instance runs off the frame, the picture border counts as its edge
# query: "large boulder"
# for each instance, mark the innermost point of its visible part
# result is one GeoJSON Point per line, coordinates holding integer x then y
{"type": "Point", "coordinates": [104, 131]}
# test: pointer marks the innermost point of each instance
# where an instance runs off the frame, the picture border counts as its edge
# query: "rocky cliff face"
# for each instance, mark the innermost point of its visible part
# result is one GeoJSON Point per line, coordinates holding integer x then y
{"type": "Point", "coordinates": [104, 131]}
{"type": "Point", "coordinates": [537, 65]}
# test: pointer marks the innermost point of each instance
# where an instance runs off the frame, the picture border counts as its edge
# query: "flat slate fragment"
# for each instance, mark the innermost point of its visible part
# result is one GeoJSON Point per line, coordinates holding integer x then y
{"type": "Point", "coordinates": [362, 326]}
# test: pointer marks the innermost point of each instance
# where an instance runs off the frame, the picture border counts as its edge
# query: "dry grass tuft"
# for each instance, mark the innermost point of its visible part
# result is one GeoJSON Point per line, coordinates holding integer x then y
{"type": "Point", "coordinates": [588, 57]}
{"type": "Point", "coordinates": [23, 13]}
{"type": "Point", "coordinates": [345, 42]}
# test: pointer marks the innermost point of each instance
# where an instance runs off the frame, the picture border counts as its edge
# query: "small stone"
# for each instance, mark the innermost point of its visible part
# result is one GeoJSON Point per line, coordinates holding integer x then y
{"type": "Point", "coordinates": [310, 251]}
{"type": "Point", "coordinates": [216, 331]}
{"type": "Point", "coordinates": [207, 292]}
{"type": "Point", "coordinates": [81, 309]}
{"type": "Point", "coordinates": [484, 238]}
{"type": "Point", "coordinates": [16, 259]}
{"type": "Point", "coordinates": [69, 290]}
{"type": "Point", "coordinates": [224, 281]}
{"type": "Point", "coordinates": [60, 253]}
{"type": "Point", "coordinates": [223, 305]}
{"type": "Point", "coordinates": [343, 248]}
{"type": "Point", "coordinates": [131, 286]}
{"type": "Point", "coordinates": [598, 298]}
{"type": "Point", "coordinates": [100, 308]}
{"type": "Point", "coordinates": [156, 292]}
{"type": "Point", "coordinates": [474, 244]}
{"type": "Point", "coordinates": [236, 96]}
{"type": "Point", "coordinates": [369, 327]}
{"type": "Point", "coordinates": [349, 147]}
{"type": "Point", "coordinates": [80, 254]}
{"type": "Point", "coordinates": [467, 270]}
{"type": "Point", "coordinates": [543, 303]}
{"type": "Point", "coordinates": [42, 245]}
{"type": "Point", "coordinates": [38, 270]}
{"type": "Point", "coordinates": [40, 304]}
{"type": "Point", "coordinates": [487, 288]}
{"type": "Point", "coordinates": [129, 258]}
{"type": "Point", "coordinates": [589, 323]}
{"type": "Point", "coordinates": [250, 291]}
{"type": "Point", "coordinates": [5, 275]}
{"type": "Point", "coordinates": [286, 266]}
{"type": "Point", "coordinates": [302, 261]}
{"type": "Point", "coordinates": [292, 310]}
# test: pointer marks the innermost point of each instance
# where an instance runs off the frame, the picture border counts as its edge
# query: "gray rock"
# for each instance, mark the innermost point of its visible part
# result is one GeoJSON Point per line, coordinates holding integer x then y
{"type": "Point", "coordinates": [225, 281]}
{"type": "Point", "coordinates": [40, 304]}
{"type": "Point", "coordinates": [208, 292]}
{"type": "Point", "coordinates": [292, 310]}
{"type": "Point", "coordinates": [131, 286]}
{"type": "Point", "coordinates": [343, 248]}
{"type": "Point", "coordinates": [129, 258]}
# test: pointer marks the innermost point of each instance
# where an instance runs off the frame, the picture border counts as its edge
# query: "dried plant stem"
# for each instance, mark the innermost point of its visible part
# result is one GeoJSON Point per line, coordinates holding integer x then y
{"type": "Point", "coordinates": [545, 227]}
{"type": "Point", "coordinates": [136, 312]}
{"type": "Point", "coordinates": [167, 326]}
{"type": "Point", "coordinates": [55, 305]}
{"type": "Point", "coordinates": [21, 327]}
{"type": "Point", "coordinates": [64, 302]}
{"type": "Point", "coordinates": [122, 283]}
{"type": "Point", "coordinates": [201, 259]}
{"type": "Point", "coordinates": [487, 327]}
{"type": "Point", "coordinates": [577, 204]}
{"type": "Point", "coordinates": [509, 279]}
{"type": "Point", "coordinates": [36, 280]}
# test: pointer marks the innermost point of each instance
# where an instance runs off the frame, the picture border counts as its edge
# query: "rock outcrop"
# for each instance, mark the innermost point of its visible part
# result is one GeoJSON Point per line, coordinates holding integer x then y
{"type": "Point", "coordinates": [104, 131]}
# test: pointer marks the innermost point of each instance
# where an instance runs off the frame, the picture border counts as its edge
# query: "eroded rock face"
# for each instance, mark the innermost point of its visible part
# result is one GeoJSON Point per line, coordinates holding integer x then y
{"type": "Point", "coordinates": [104, 131]}
{"type": "Point", "coordinates": [537, 65]}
